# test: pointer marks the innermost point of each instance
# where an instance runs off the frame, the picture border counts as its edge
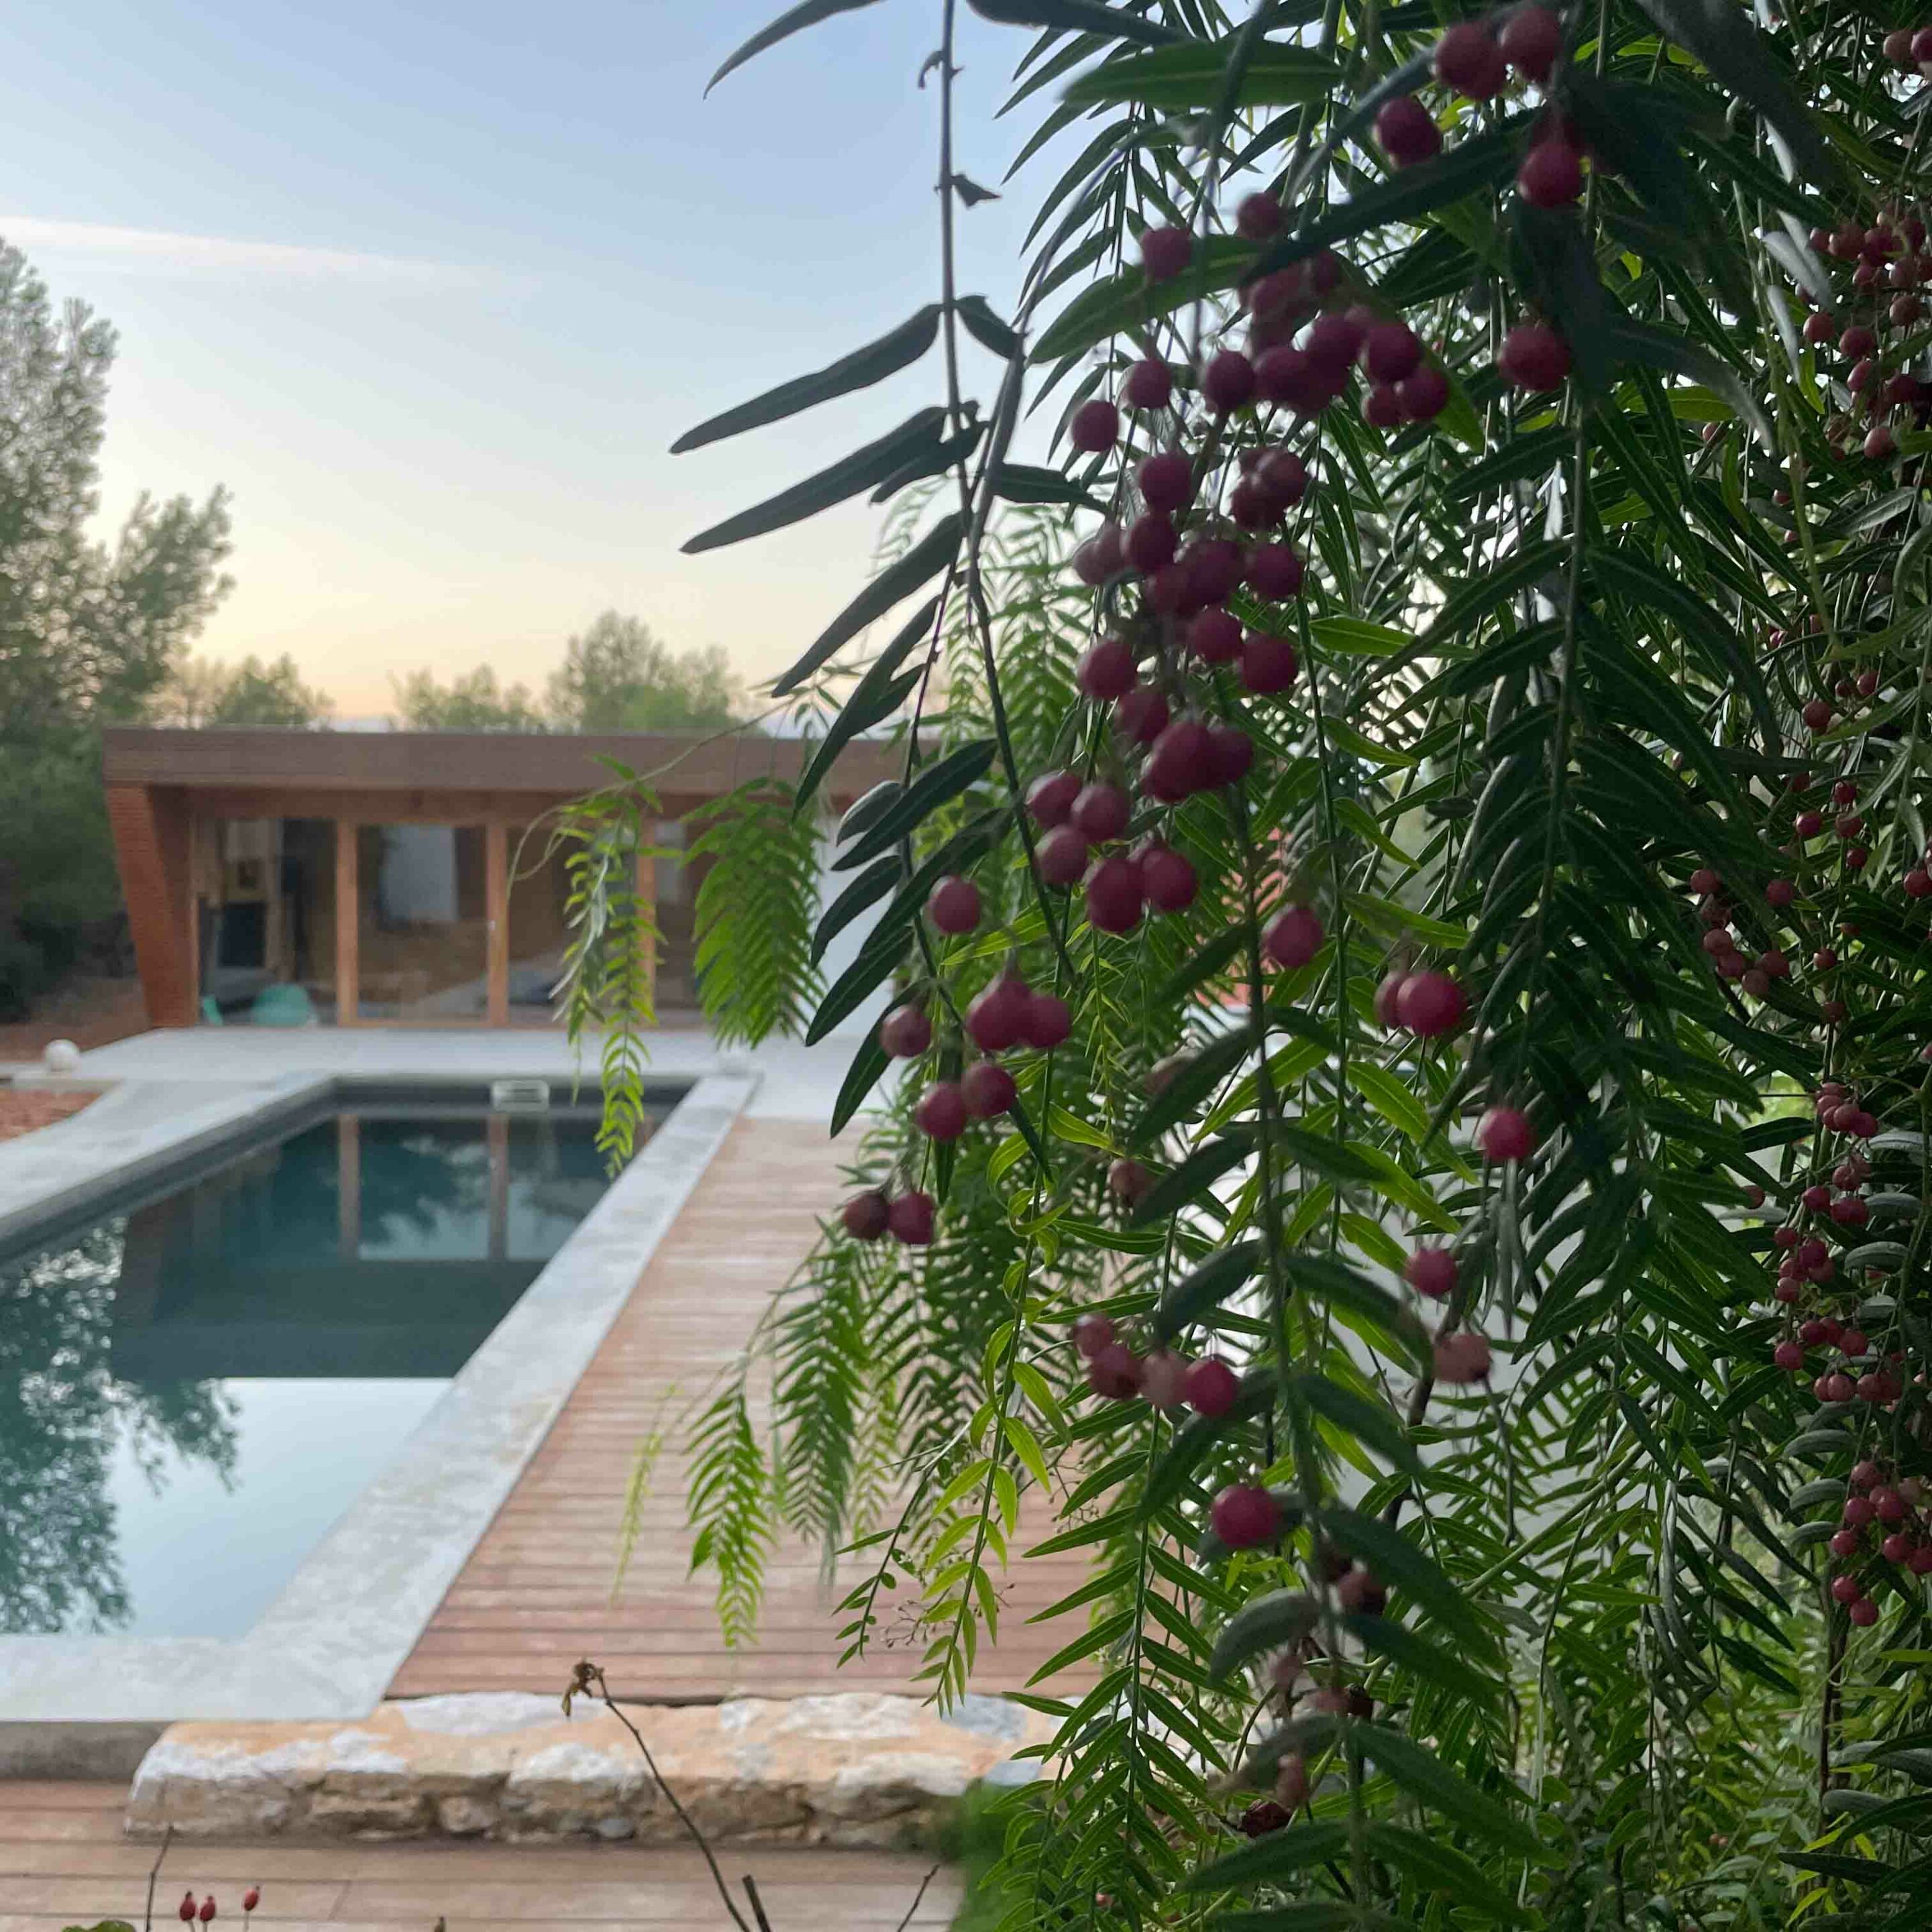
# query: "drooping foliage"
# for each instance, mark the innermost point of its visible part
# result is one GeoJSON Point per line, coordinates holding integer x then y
{"type": "Point", "coordinates": [1405, 910]}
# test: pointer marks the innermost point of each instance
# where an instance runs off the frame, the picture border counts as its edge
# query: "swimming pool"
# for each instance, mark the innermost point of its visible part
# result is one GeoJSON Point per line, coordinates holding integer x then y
{"type": "Point", "coordinates": [196, 1381]}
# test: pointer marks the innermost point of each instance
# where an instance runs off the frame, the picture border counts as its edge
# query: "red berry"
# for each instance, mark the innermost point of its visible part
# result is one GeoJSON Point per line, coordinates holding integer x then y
{"type": "Point", "coordinates": [1382, 407]}
{"type": "Point", "coordinates": [1168, 879]}
{"type": "Point", "coordinates": [1214, 568]}
{"type": "Point", "coordinates": [1048, 1022]}
{"type": "Point", "coordinates": [1062, 854]}
{"type": "Point", "coordinates": [1245, 1516]}
{"type": "Point", "coordinates": [1897, 47]}
{"type": "Point", "coordinates": [988, 1089]}
{"type": "Point", "coordinates": [1092, 1333]}
{"type": "Point", "coordinates": [1845, 1589]}
{"type": "Point", "coordinates": [207, 1911]}
{"type": "Point", "coordinates": [1142, 714]}
{"type": "Point", "coordinates": [1166, 481]}
{"type": "Point", "coordinates": [1504, 1133]}
{"type": "Point", "coordinates": [1842, 1542]}
{"type": "Point", "coordinates": [1407, 132]}
{"type": "Point", "coordinates": [1896, 1547]}
{"type": "Point", "coordinates": [1788, 1356]}
{"type": "Point", "coordinates": [1463, 1357]}
{"type": "Point", "coordinates": [1334, 340]}
{"type": "Point", "coordinates": [1166, 252]}
{"type": "Point", "coordinates": [1817, 329]}
{"type": "Point", "coordinates": [1284, 476]}
{"type": "Point", "coordinates": [1469, 59]}
{"type": "Point", "coordinates": [1391, 351]}
{"type": "Point", "coordinates": [1388, 996]}
{"type": "Point", "coordinates": [1258, 217]}
{"type": "Point", "coordinates": [1268, 664]}
{"type": "Point", "coordinates": [1128, 1181]}
{"type": "Point", "coordinates": [1863, 1613]}
{"type": "Point", "coordinates": [940, 1115]}
{"type": "Point", "coordinates": [1114, 895]}
{"type": "Point", "coordinates": [1181, 761]}
{"type": "Point", "coordinates": [1880, 445]}
{"type": "Point", "coordinates": [1150, 542]}
{"type": "Point", "coordinates": [1431, 1271]}
{"type": "Point", "coordinates": [1232, 751]}
{"type": "Point", "coordinates": [1275, 571]}
{"type": "Point", "coordinates": [1837, 1387]}
{"type": "Point", "coordinates": [1858, 340]}
{"type": "Point", "coordinates": [187, 1911]}
{"type": "Point", "coordinates": [1050, 797]}
{"type": "Point", "coordinates": [998, 1017]}
{"type": "Point", "coordinates": [1703, 882]}
{"type": "Point", "coordinates": [251, 1898]}
{"type": "Point", "coordinates": [1533, 357]}
{"type": "Point", "coordinates": [866, 1216]}
{"type": "Point", "coordinates": [905, 1033]}
{"type": "Point", "coordinates": [1214, 636]}
{"type": "Point", "coordinates": [1888, 1505]}
{"type": "Point", "coordinates": [1101, 812]}
{"type": "Point", "coordinates": [1293, 937]}
{"type": "Point", "coordinates": [1106, 670]}
{"type": "Point", "coordinates": [1115, 1372]}
{"type": "Point", "coordinates": [954, 905]}
{"type": "Point", "coordinates": [1228, 381]}
{"type": "Point", "coordinates": [1210, 1388]}
{"type": "Point", "coordinates": [1431, 1004]}
{"type": "Point", "coordinates": [1424, 395]}
{"type": "Point", "coordinates": [1532, 38]}
{"type": "Point", "coordinates": [1100, 556]}
{"type": "Point", "coordinates": [1552, 174]}
{"type": "Point", "coordinates": [1780, 893]}
{"type": "Point", "coordinates": [1096, 426]}
{"type": "Point", "coordinates": [1149, 385]}
{"type": "Point", "coordinates": [1817, 714]}
{"type": "Point", "coordinates": [910, 1219]}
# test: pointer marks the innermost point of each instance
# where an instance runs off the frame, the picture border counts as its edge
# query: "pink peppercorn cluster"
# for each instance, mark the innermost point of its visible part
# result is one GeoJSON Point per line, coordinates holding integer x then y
{"type": "Point", "coordinates": [1883, 1532]}
{"type": "Point", "coordinates": [1162, 1376]}
{"type": "Point", "coordinates": [1860, 337]}
{"type": "Point", "coordinates": [1475, 60]}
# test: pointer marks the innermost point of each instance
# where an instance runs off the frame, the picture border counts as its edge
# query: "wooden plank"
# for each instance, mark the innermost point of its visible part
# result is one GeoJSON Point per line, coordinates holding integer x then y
{"type": "Point", "coordinates": [88, 1872]}
{"type": "Point", "coordinates": [538, 1593]}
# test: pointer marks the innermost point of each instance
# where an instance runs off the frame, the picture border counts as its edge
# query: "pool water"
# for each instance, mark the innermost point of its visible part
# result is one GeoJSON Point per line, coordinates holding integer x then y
{"type": "Point", "coordinates": [194, 1387]}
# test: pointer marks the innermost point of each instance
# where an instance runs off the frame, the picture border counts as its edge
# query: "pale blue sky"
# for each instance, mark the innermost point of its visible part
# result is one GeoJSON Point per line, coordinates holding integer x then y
{"type": "Point", "coordinates": [433, 286]}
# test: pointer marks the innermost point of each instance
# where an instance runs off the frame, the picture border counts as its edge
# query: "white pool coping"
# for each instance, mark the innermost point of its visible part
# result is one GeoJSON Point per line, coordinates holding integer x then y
{"type": "Point", "coordinates": [328, 1645]}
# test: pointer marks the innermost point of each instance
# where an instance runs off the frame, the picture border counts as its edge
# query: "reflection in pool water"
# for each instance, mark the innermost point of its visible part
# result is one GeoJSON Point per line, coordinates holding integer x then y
{"type": "Point", "coordinates": [193, 1390]}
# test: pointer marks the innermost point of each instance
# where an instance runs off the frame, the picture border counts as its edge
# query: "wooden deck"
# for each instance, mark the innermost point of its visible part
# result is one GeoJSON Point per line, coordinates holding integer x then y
{"type": "Point", "coordinates": [63, 1862]}
{"type": "Point", "coordinates": [536, 1595]}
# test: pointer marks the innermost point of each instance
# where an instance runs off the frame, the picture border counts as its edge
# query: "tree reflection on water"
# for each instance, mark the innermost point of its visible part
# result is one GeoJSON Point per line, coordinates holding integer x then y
{"type": "Point", "coordinates": [63, 1414]}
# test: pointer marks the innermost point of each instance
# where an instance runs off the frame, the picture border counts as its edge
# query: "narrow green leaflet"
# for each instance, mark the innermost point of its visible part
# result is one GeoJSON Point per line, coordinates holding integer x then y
{"type": "Point", "coordinates": [793, 20]}
{"type": "Point", "coordinates": [933, 553]}
{"type": "Point", "coordinates": [896, 350]}
{"type": "Point", "coordinates": [846, 478]}
{"type": "Point", "coordinates": [1194, 74]}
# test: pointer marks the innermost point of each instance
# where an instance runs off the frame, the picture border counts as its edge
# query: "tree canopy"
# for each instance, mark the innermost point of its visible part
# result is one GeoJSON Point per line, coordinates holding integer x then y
{"type": "Point", "coordinates": [90, 629]}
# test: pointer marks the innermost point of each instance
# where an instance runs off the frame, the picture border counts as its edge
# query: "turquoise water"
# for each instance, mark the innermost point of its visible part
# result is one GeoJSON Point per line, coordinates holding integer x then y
{"type": "Point", "coordinates": [194, 1387]}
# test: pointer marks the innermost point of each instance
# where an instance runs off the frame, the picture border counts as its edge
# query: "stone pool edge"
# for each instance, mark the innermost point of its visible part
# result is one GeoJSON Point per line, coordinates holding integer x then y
{"type": "Point", "coordinates": [852, 1769]}
{"type": "Point", "coordinates": [327, 1648]}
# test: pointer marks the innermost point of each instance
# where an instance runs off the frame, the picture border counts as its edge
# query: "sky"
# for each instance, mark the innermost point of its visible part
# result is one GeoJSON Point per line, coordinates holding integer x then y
{"type": "Point", "coordinates": [431, 286]}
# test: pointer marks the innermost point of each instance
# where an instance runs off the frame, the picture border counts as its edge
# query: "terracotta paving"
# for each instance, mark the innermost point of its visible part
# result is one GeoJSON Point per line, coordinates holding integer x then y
{"type": "Point", "coordinates": [22, 1112]}
{"type": "Point", "coordinates": [536, 1594]}
{"type": "Point", "coordinates": [63, 1862]}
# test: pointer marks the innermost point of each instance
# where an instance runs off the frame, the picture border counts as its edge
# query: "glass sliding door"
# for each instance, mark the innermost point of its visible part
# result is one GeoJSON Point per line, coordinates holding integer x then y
{"type": "Point", "coordinates": [422, 923]}
{"type": "Point", "coordinates": [265, 914]}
